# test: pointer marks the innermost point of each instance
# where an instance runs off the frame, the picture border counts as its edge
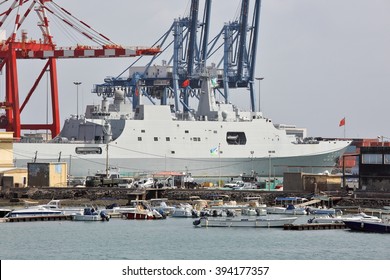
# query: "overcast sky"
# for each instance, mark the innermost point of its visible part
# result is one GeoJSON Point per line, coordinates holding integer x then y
{"type": "Point", "coordinates": [321, 60]}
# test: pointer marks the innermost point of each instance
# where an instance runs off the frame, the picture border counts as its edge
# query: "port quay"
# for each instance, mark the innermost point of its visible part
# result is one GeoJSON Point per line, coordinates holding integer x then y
{"type": "Point", "coordinates": [216, 139]}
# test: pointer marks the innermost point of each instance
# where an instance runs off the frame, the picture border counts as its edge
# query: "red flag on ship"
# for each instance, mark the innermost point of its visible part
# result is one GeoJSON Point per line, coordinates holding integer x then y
{"type": "Point", "coordinates": [342, 122]}
{"type": "Point", "coordinates": [186, 83]}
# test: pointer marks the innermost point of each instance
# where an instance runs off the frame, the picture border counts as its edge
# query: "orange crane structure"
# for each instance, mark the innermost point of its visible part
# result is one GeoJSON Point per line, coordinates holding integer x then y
{"type": "Point", "coordinates": [12, 49]}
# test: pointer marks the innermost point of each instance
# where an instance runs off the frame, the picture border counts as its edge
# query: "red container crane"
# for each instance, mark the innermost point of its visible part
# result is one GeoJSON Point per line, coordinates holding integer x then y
{"type": "Point", "coordinates": [13, 49]}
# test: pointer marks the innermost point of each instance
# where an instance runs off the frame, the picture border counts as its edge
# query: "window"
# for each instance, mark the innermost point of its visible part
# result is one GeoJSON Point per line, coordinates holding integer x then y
{"type": "Point", "coordinates": [139, 138]}
{"type": "Point", "coordinates": [167, 139]}
{"type": "Point", "coordinates": [236, 138]}
{"type": "Point", "coordinates": [172, 152]}
{"type": "Point", "coordinates": [155, 138]}
{"type": "Point", "coordinates": [88, 150]}
{"type": "Point", "coordinates": [386, 158]}
{"type": "Point", "coordinates": [186, 131]}
{"type": "Point", "coordinates": [372, 158]}
{"type": "Point", "coordinates": [142, 130]}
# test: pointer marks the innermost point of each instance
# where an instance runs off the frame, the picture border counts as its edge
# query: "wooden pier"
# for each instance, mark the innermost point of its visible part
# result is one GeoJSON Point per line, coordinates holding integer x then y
{"type": "Point", "coordinates": [314, 226]}
{"type": "Point", "coordinates": [38, 218]}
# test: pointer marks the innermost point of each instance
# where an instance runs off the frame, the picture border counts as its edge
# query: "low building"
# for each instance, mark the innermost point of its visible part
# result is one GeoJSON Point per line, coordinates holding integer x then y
{"type": "Point", "coordinates": [13, 178]}
{"type": "Point", "coordinates": [374, 169]}
{"type": "Point", "coordinates": [6, 150]}
{"type": "Point", "coordinates": [311, 183]}
{"type": "Point", "coordinates": [47, 174]}
{"type": "Point", "coordinates": [10, 177]}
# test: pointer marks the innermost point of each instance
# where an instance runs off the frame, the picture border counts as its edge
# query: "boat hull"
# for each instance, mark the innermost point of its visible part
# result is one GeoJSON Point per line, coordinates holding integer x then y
{"type": "Point", "coordinates": [137, 216]}
{"type": "Point", "coordinates": [33, 213]}
{"type": "Point", "coordinates": [244, 222]}
{"type": "Point", "coordinates": [199, 166]}
{"type": "Point", "coordinates": [368, 226]}
{"type": "Point", "coordinates": [87, 218]}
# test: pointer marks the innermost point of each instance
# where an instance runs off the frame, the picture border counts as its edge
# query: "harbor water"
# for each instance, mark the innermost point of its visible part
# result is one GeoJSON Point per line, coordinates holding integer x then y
{"type": "Point", "coordinates": [178, 239]}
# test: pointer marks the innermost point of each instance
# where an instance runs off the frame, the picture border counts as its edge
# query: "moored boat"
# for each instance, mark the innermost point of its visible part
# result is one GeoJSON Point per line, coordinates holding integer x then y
{"type": "Point", "coordinates": [160, 205]}
{"type": "Point", "coordinates": [4, 212]}
{"type": "Point", "coordinates": [185, 210]}
{"type": "Point", "coordinates": [342, 218]}
{"type": "Point", "coordinates": [142, 211]}
{"type": "Point", "coordinates": [263, 222]}
{"type": "Point", "coordinates": [90, 214]}
{"type": "Point", "coordinates": [289, 210]}
{"type": "Point", "coordinates": [213, 140]}
{"type": "Point", "coordinates": [368, 226]}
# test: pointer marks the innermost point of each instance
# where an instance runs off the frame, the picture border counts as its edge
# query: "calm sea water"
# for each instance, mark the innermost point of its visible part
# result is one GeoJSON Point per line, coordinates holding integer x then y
{"type": "Point", "coordinates": [178, 239]}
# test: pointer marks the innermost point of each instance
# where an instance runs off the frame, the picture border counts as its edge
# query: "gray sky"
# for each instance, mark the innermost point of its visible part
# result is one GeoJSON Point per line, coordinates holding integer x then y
{"type": "Point", "coordinates": [322, 60]}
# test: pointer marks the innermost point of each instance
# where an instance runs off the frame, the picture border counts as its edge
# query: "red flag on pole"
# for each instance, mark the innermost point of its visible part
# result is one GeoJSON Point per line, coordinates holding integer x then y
{"type": "Point", "coordinates": [342, 122]}
{"type": "Point", "coordinates": [186, 83]}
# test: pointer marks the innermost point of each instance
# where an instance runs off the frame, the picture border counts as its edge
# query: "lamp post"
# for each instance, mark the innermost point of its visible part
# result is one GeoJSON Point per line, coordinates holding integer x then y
{"type": "Point", "coordinates": [252, 152]}
{"type": "Point", "coordinates": [269, 168]}
{"type": "Point", "coordinates": [259, 79]}
{"type": "Point", "coordinates": [77, 103]}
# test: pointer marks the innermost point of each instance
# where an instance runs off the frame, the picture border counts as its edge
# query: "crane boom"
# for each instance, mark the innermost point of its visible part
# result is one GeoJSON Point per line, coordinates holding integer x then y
{"type": "Point", "coordinates": [12, 49]}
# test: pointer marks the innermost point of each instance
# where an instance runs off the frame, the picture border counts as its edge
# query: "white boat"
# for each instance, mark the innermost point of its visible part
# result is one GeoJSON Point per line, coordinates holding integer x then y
{"type": "Point", "coordinates": [53, 207]}
{"type": "Point", "coordinates": [289, 210]}
{"type": "Point", "coordinates": [55, 204]}
{"type": "Point", "coordinates": [184, 210]}
{"type": "Point", "coordinates": [244, 222]}
{"type": "Point", "coordinates": [160, 205]}
{"type": "Point", "coordinates": [90, 214]}
{"type": "Point", "coordinates": [142, 211]}
{"type": "Point", "coordinates": [275, 210]}
{"type": "Point", "coordinates": [34, 211]}
{"type": "Point", "coordinates": [341, 218]}
{"type": "Point", "coordinates": [212, 140]}
{"type": "Point", "coordinates": [323, 211]}
{"type": "Point", "coordinates": [253, 208]}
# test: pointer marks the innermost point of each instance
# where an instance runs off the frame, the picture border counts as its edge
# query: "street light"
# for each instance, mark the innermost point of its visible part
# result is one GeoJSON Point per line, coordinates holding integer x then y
{"type": "Point", "coordinates": [381, 138]}
{"type": "Point", "coordinates": [252, 152]}
{"type": "Point", "coordinates": [77, 103]}
{"type": "Point", "coordinates": [259, 79]}
{"type": "Point", "coordinates": [269, 168]}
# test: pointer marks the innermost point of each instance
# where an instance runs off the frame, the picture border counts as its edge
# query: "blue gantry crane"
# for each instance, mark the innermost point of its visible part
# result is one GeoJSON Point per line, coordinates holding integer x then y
{"type": "Point", "coordinates": [178, 77]}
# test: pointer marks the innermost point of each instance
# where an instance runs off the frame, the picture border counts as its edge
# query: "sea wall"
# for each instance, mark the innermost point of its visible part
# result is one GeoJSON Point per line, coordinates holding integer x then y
{"type": "Point", "coordinates": [110, 195]}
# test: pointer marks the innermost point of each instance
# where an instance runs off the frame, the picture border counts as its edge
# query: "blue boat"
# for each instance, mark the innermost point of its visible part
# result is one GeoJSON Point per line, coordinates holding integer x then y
{"type": "Point", "coordinates": [380, 227]}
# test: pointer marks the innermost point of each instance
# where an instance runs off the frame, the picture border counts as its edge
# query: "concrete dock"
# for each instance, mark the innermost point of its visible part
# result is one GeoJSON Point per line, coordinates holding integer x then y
{"type": "Point", "coordinates": [38, 218]}
{"type": "Point", "coordinates": [314, 226]}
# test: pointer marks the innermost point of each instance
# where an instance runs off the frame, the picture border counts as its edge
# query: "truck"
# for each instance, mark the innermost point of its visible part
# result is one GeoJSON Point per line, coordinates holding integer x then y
{"type": "Point", "coordinates": [108, 180]}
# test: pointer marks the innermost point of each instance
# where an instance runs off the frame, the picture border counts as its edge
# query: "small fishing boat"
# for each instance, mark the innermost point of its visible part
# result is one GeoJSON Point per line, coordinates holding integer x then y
{"type": "Point", "coordinates": [289, 210]}
{"type": "Point", "coordinates": [323, 211]}
{"type": "Point", "coordinates": [261, 222]}
{"type": "Point", "coordinates": [160, 205]}
{"type": "Point", "coordinates": [342, 218]}
{"type": "Point", "coordinates": [142, 211]}
{"type": "Point", "coordinates": [185, 211]}
{"type": "Point", "coordinates": [90, 214]}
